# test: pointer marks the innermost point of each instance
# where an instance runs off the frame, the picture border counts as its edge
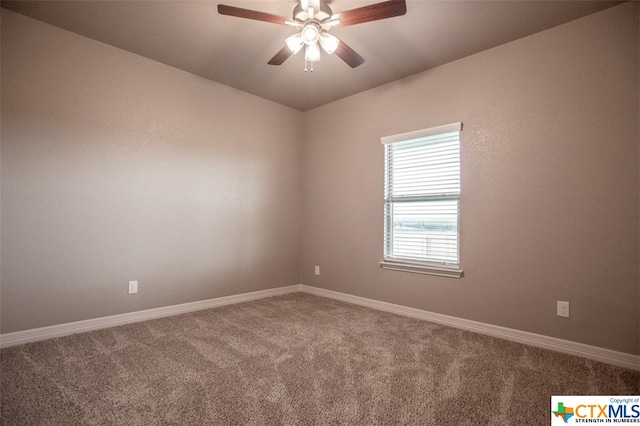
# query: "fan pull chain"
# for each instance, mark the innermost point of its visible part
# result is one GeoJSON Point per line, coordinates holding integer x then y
{"type": "Point", "coordinates": [305, 65]}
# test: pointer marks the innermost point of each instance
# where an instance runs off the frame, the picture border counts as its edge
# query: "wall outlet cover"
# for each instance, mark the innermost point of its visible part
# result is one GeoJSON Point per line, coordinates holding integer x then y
{"type": "Point", "coordinates": [563, 309]}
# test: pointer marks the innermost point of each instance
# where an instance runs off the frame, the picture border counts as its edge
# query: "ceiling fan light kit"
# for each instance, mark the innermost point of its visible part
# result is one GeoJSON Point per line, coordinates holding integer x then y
{"type": "Point", "coordinates": [295, 43]}
{"type": "Point", "coordinates": [329, 42]}
{"type": "Point", "coordinates": [311, 33]}
{"type": "Point", "coordinates": [313, 19]}
{"type": "Point", "coordinates": [312, 53]}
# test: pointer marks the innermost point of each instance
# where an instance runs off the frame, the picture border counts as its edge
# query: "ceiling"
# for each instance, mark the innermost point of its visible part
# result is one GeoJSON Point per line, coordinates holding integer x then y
{"type": "Point", "coordinates": [192, 36]}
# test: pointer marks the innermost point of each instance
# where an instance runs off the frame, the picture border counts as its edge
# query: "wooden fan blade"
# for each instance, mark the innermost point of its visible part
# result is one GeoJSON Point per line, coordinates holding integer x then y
{"type": "Point", "coordinates": [374, 12]}
{"type": "Point", "coordinates": [238, 12]}
{"type": "Point", "coordinates": [349, 55]}
{"type": "Point", "coordinates": [281, 56]}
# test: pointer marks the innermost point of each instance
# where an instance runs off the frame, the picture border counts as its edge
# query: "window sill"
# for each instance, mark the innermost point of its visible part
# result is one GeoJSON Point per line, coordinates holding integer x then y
{"type": "Point", "coordinates": [421, 268]}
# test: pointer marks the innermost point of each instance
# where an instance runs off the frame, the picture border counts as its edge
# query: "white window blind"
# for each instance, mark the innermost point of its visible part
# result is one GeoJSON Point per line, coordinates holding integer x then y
{"type": "Point", "coordinates": [422, 196]}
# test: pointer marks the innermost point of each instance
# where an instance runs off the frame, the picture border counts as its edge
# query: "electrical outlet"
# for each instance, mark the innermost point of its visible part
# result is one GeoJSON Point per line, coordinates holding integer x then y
{"type": "Point", "coordinates": [563, 309]}
{"type": "Point", "coordinates": [317, 270]}
{"type": "Point", "coordinates": [133, 287]}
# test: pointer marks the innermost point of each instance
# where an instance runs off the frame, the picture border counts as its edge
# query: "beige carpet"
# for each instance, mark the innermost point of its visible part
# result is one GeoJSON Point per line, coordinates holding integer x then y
{"type": "Point", "coordinates": [292, 360]}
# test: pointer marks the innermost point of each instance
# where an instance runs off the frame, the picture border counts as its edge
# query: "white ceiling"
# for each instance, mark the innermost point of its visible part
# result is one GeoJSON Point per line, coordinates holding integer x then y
{"type": "Point", "coordinates": [192, 36]}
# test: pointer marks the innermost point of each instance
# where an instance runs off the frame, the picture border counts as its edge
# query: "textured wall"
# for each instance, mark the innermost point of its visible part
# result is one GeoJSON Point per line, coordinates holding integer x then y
{"type": "Point", "coordinates": [549, 183]}
{"type": "Point", "coordinates": [115, 167]}
{"type": "Point", "coordinates": [118, 168]}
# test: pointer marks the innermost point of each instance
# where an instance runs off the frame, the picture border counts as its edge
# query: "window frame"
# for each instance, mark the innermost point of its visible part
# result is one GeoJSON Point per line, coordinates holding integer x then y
{"type": "Point", "coordinates": [405, 264]}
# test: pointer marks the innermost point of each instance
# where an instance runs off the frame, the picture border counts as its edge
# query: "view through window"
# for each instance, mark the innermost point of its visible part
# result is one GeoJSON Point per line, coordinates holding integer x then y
{"type": "Point", "coordinates": [422, 196]}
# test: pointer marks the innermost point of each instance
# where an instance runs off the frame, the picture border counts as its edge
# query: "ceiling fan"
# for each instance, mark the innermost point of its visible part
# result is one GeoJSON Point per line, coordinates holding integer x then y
{"type": "Point", "coordinates": [313, 19]}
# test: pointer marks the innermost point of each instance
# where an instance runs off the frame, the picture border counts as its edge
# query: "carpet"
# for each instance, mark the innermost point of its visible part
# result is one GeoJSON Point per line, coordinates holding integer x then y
{"type": "Point", "coordinates": [296, 359]}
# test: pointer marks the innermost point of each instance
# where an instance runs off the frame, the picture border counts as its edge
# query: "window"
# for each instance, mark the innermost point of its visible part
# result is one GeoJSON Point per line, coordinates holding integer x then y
{"type": "Point", "coordinates": [422, 201]}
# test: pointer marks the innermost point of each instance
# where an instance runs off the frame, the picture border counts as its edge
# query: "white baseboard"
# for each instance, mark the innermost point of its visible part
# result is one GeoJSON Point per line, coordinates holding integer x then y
{"type": "Point", "coordinates": [595, 353]}
{"type": "Point", "coordinates": [33, 335]}
{"type": "Point", "coordinates": [565, 346]}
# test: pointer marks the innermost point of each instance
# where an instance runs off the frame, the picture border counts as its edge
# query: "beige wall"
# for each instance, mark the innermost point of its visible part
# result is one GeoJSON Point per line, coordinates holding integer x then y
{"type": "Point", "coordinates": [115, 167]}
{"type": "Point", "coordinates": [549, 184]}
{"type": "Point", "coordinates": [118, 168]}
